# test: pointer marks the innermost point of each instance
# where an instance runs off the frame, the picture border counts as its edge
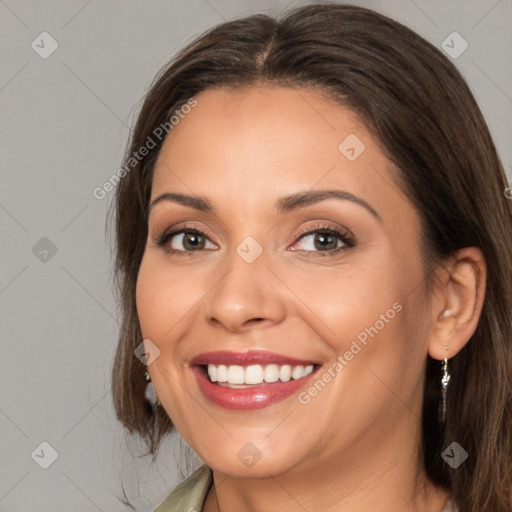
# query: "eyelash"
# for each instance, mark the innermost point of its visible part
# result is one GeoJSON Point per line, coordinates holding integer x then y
{"type": "Point", "coordinates": [347, 240]}
{"type": "Point", "coordinates": [323, 229]}
{"type": "Point", "coordinates": [167, 235]}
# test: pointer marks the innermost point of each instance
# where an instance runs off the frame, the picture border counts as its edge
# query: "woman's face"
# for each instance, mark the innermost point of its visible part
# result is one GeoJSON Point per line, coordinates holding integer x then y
{"type": "Point", "coordinates": [281, 257]}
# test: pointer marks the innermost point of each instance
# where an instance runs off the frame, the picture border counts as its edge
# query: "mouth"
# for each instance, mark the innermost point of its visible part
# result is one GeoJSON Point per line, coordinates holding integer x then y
{"type": "Point", "coordinates": [250, 380]}
{"type": "Point", "coordinates": [236, 376]}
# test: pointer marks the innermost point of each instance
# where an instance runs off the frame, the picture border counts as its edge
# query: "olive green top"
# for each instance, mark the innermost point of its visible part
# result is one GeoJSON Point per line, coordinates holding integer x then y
{"type": "Point", "coordinates": [190, 495]}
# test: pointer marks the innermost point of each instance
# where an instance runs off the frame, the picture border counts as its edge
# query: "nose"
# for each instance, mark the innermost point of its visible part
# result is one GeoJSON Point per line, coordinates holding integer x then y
{"type": "Point", "coordinates": [248, 295]}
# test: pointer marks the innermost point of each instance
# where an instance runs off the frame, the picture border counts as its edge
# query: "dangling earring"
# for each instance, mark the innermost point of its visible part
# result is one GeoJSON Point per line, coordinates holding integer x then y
{"type": "Point", "coordinates": [150, 391]}
{"type": "Point", "coordinates": [445, 379]}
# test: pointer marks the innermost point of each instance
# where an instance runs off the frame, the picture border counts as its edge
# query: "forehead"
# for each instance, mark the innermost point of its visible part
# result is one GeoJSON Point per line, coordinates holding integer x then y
{"type": "Point", "coordinates": [285, 116]}
{"type": "Point", "coordinates": [250, 144]}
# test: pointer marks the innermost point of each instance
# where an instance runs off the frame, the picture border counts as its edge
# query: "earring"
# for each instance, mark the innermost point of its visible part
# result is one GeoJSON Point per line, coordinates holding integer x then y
{"type": "Point", "coordinates": [150, 391]}
{"type": "Point", "coordinates": [445, 379]}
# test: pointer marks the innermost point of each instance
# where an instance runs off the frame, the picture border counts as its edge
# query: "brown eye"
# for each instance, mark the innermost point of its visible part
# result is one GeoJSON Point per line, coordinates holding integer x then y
{"type": "Point", "coordinates": [189, 241]}
{"type": "Point", "coordinates": [323, 240]}
{"type": "Point", "coordinates": [186, 240]}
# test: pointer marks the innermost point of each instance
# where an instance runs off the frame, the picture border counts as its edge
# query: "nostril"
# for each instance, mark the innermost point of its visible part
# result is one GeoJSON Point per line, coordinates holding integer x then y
{"type": "Point", "coordinates": [250, 321]}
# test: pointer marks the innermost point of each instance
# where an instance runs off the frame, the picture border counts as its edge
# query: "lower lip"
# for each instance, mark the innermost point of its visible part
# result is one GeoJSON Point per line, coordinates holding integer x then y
{"type": "Point", "coordinates": [244, 399]}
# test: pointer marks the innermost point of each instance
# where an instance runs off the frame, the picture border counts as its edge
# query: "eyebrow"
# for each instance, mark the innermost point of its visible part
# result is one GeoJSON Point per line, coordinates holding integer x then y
{"type": "Point", "coordinates": [283, 205]}
{"type": "Point", "coordinates": [197, 202]}
{"type": "Point", "coordinates": [303, 199]}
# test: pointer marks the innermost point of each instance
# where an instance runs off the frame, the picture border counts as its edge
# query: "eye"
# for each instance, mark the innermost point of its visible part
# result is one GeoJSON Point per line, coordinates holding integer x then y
{"type": "Point", "coordinates": [185, 240]}
{"type": "Point", "coordinates": [323, 239]}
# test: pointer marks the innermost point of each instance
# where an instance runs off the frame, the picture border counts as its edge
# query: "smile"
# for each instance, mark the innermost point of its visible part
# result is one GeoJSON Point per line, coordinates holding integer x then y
{"type": "Point", "coordinates": [235, 376]}
{"type": "Point", "coordinates": [250, 380]}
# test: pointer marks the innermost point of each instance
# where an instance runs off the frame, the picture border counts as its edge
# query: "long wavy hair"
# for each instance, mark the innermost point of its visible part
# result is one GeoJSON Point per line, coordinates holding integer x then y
{"type": "Point", "coordinates": [423, 115]}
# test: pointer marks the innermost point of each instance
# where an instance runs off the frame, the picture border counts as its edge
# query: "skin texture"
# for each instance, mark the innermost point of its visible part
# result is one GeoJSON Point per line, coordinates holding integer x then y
{"type": "Point", "coordinates": [355, 445]}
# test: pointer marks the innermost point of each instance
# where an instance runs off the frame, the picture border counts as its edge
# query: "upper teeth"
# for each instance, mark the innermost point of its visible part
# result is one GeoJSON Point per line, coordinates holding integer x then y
{"type": "Point", "coordinates": [256, 374]}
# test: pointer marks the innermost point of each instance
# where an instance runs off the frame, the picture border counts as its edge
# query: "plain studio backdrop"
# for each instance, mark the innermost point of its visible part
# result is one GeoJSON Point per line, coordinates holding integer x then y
{"type": "Point", "coordinates": [72, 77]}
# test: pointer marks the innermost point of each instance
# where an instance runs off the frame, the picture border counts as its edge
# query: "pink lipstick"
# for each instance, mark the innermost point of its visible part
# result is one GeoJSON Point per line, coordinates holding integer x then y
{"type": "Point", "coordinates": [250, 380]}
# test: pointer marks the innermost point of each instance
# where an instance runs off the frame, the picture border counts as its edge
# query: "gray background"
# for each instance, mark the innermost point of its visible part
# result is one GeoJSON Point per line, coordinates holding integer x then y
{"type": "Point", "coordinates": [64, 125]}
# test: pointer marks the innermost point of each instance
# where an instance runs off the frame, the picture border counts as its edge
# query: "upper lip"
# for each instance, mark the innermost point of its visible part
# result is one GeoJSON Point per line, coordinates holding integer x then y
{"type": "Point", "coordinates": [250, 357]}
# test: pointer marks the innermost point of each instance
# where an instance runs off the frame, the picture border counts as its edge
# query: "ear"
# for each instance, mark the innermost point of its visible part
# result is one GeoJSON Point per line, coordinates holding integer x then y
{"type": "Point", "coordinates": [457, 303]}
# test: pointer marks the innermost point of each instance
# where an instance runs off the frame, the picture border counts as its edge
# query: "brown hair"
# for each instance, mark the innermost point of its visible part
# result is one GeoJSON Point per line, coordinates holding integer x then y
{"type": "Point", "coordinates": [421, 111]}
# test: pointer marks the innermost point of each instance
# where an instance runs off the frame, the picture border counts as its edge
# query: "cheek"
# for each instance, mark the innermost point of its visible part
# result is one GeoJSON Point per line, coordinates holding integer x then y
{"type": "Point", "coordinates": [157, 300]}
{"type": "Point", "coordinates": [347, 300]}
{"type": "Point", "coordinates": [145, 297]}
{"type": "Point", "coordinates": [164, 296]}
{"type": "Point", "coordinates": [366, 313]}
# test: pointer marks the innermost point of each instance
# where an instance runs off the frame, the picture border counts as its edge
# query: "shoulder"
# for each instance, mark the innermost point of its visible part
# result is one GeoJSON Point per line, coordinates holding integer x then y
{"type": "Point", "coordinates": [189, 494]}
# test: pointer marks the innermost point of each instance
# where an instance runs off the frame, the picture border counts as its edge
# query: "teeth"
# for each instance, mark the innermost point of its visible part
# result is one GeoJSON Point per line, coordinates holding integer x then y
{"type": "Point", "coordinates": [212, 372]}
{"type": "Point", "coordinates": [271, 373]}
{"type": "Point", "coordinates": [298, 372]}
{"type": "Point", "coordinates": [285, 374]}
{"type": "Point", "coordinates": [253, 374]}
{"type": "Point", "coordinates": [222, 373]}
{"type": "Point", "coordinates": [236, 374]}
{"type": "Point", "coordinates": [256, 374]}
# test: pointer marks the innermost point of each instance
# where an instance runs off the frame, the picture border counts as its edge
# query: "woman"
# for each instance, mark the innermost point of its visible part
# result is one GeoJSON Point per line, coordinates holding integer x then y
{"type": "Point", "coordinates": [313, 252]}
